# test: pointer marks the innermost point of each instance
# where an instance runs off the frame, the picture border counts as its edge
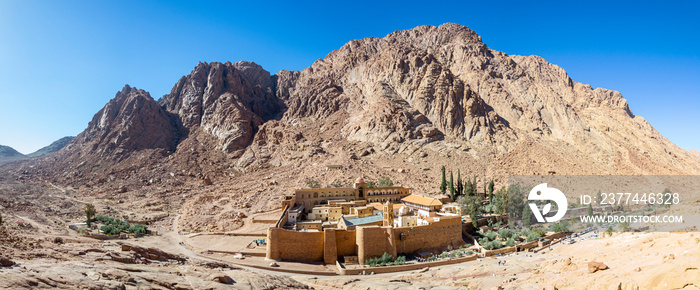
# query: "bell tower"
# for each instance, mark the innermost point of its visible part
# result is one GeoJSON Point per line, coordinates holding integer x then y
{"type": "Point", "coordinates": [360, 187]}
{"type": "Point", "coordinates": [388, 214]}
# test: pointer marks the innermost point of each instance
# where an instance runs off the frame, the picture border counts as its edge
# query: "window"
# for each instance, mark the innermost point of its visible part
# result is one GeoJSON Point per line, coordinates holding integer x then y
{"type": "Point", "coordinates": [315, 194]}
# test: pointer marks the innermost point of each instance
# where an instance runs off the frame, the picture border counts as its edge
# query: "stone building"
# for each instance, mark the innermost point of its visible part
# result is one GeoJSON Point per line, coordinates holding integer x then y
{"type": "Point", "coordinates": [310, 197]}
{"type": "Point", "coordinates": [421, 205]}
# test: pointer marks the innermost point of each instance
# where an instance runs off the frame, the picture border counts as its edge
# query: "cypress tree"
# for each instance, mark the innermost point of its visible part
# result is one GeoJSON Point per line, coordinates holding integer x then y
{"type": "Point", "coordinates": [527, 216]}
{"type": "Point", "coordinates": [468, 189]}
{"type": "Point", "coordinates": [443, 184]}
{"type": "Point", "coordinates": [460, 186]}
{"type": "Point", "coordinates": [452, 186]}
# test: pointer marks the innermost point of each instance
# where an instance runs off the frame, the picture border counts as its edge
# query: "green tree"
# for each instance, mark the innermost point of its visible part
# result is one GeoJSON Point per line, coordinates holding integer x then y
{"type": "Point", "coordinates": [443, 184]}
{"type": "Point", "coordinates": [609, 231]}
{"type": "Point", "coordinates": [506, 233]}
{"type": "Point", "coordinates": [371, 184]}
{"type": "Point", "coordinates": [532, 236]}
{"type": "Point", "coordinates": [313, 183]}
{"type": "Point", "coordinates": [515, 201]}
{"type": "Point", "coordinates": [496, 244]}
{"type": "Point", "coordinates": [527, 216]}
{"type": "Point", "coordinates": [490, 188]}
{"type": "Point", "coordinates": [89, 213]}
{"type": "Point", "coordinates": [470, 205]}
{"type": "Point", "coordinates": [452, 186]}
{"type": "Point", "coordinates": [561, 226]}
{"type": "Point", "coordinates": [385, 182]}
{"type": "Point", "coordinates": [590, 210]}
{"type": "Point", "coordinates": [138, 230]}
{"type": "Point", "coordinates": [460, 186]}
{"type": "Point", "coordinates": [474, 188]}
{"type": "Point", "coordinates": [625, 226]}
{"type": "Point", "coordinates": [468, 187]}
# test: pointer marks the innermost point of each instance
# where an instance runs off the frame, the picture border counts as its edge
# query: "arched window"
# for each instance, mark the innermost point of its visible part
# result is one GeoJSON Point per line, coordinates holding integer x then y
{"type": "Point", "coordinates": [315, 194]}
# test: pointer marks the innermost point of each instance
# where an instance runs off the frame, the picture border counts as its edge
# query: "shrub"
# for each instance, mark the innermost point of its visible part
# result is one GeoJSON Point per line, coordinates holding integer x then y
{"type": "Point", "coordinates": [109, 230]}
{"type": "Point", "coordinates": [562, 226]}
{"type": "Point", "coordinates": [102, 218]}
{"type": "Point", "coordinates": [532, 236]}
{"type": "Point", "coordinates": [385, 182]}
{"type": "Point", "coordinates": [138, 230]}
{"type": "Point", "coordinates": [491, 235]}
{"type": "Point", "coordinates": [313, 183]}
{"type": "Point", "coordinates": [401, 260]}
{"type": "Point", "coordinates": [384, 260]}
{"type": "Point", "coordinates": [470, 252]}
{"type": "Point", "coordinates": [505, 233]}
{"type": "Point", "coordinates": [524, 233]}
{"type": "Point", "coordinates": [496, 244]}
{"type": "Point", "coordinates": [483, 241]}
{"type": "Point", "coordinates": [510, 242]}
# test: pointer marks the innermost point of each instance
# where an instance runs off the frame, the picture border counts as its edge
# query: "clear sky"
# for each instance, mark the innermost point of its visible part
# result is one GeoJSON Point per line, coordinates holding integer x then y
{"type": "Point", "coordinates": [61, 61]}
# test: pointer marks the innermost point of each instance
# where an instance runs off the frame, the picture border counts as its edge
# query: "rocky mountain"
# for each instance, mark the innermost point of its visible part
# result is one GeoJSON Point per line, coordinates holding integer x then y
{"type": "Point", "coordinates": [9, 153]}
{"type": "Point", "coordinates": [417, 98]}
{"type": "Point", "coordinates": [53, 147]}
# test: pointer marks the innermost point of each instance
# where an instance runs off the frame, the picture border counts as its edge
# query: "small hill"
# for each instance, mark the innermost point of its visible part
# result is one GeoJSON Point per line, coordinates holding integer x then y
{"type": "Point", "coordinates": [53, 147]}
{"type": "Point", "coordinates": [9, 153]}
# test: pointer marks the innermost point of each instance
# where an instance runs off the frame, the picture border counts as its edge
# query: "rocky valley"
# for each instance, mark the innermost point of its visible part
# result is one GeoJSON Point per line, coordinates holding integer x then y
{"type": "Point", "coordinates": [230, 140]}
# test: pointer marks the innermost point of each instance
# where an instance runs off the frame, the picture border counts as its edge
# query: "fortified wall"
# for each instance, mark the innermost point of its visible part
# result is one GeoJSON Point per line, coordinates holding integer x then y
{"type": "Point", "coordinates": [364, 242]}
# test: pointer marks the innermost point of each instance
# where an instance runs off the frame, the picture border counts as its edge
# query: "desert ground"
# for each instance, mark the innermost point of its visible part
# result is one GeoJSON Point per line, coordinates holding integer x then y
{"type": "Point", "coordinates": [47, 254]}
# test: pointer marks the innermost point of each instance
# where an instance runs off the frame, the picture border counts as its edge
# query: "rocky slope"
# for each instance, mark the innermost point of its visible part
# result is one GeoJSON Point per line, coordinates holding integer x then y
{"type": "Point", "coordinates": [53, 147]}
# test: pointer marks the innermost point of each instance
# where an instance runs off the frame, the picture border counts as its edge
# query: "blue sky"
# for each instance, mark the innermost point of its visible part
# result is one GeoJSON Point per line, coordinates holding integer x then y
{"type": "Point", "coordinates": [61, 61]}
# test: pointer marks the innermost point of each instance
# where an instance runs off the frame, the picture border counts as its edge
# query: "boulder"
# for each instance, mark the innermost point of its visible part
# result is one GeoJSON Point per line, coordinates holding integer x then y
{"type": "Point", "coordinates": [594, 266]}
{"type": "Point", "coordinates": [207, 181]}
{"type": "Point", "coordinates": [221, 278]}
{"type": "Point", "coordinates": [4, 262]}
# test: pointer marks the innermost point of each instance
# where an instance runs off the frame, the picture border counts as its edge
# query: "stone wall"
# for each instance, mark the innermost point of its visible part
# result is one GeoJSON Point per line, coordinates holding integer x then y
{"type": "Point", "coordinates": [345, 242]}
{"type": "Point", "coordinates": [439, 234]}
{"type": "Point", "coordinates": [294, 246]}
{"type": "Point", "coordinates": [365, 242]}
{"type": "Point", "coordinates": [388, 269]}
{"type": "Point", "coordinates": [374, 241]}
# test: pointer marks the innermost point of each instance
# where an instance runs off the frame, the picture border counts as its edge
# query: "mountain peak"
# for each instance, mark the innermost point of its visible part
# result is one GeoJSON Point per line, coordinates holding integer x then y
{"type": "Point", "coordinates": [132, 120]}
